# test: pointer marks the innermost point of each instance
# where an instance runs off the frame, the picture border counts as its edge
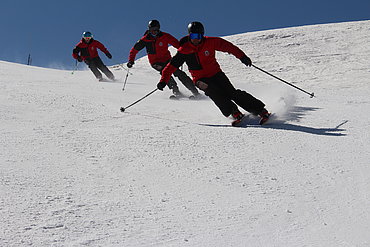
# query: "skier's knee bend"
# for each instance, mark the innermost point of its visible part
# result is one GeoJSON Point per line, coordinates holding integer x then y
{"type": "Point", "coordinates": [240, 93]}
{"type": "Point", "coordinates": [157, 66]}
{"type": "Point", "coordinates": [179, 74]}
{"type": "Point", "coordinates": [227, 111]}
{"type": "Point", "coordinates": [171, 84]}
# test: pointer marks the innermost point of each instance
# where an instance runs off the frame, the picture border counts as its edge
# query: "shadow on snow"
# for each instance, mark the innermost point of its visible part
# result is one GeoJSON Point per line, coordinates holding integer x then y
{"type": "Point", "coordinates": [295, 114]}
{"type": "Point", "coordinates": [289, 127]}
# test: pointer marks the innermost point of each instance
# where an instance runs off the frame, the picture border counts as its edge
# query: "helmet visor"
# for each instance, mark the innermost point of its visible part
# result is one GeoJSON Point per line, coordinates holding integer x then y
{"type": "Point", "coordinates": [87, 35]}
{"type": "Point", "coordinates": [196, 36]}
{"type": "Point", "coordinates": [154, 29]}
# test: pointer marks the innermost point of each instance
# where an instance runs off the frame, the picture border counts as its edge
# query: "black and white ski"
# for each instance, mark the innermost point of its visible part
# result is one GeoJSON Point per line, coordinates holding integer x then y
{"type": "Point", "coordinates": [177, 97]}
{"type": "Point", "coordinates": [252, 120]}
{"type": "Point", "coordinates": [191, 97]}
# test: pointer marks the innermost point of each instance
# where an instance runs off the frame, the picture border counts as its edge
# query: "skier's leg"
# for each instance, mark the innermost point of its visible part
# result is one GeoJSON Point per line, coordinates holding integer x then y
{"type": "Point", "coordinates": [159, 66]}
{"type": "Point", "coordinates": [226, 106]}
{"type": "Point", "coordinates": [240, 97]}
{"type": "Point", "coordinates": [93, 67]}
{"type": "Point", "coordinates": [248, 102]}
{"type": "Point", "coordinates": [218, 96]}
{"type": "Point", "coordinates": [186, 81]}
{"type": "Point", "coordinates": [172, 83]}
{"type": "Point", "coordinates": [104, 68]}
{"type": "Point", "coordinates": [107, 72]}
{"type": "Point", "coordinates": [173, 86]}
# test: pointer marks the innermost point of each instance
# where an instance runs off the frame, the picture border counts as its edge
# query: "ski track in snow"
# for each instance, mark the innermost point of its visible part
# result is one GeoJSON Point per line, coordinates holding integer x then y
{"type": "Point", "coordinates": [77, 172]}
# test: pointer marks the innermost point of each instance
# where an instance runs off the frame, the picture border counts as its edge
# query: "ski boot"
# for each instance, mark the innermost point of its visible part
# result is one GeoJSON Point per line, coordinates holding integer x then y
{"type": "Point", "coordinates": [238, 116]}
{"type": "Point", "coordinates": [176, 93]}
{"type": "Point", "coordinates": [195, 96]}
{"type": "Point", "coordinates": [265, 115]}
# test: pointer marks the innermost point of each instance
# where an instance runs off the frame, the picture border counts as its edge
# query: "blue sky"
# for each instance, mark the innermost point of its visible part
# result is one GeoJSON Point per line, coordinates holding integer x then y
{"type": "Point", "coordinates": [49, 29]}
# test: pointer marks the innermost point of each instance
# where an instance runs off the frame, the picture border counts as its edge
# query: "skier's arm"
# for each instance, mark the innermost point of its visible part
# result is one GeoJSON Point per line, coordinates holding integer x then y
{"type": "Point", "coordinates": [226, 46]}
{"type": "Point", "coordinates": [173, 41]}
{"type": "Point", "coordinates": [76, 52]}
{"type": "Point", "coordinates": [135, 49]}
{"type": "Point", "coordinates": [172, 66]}
{"type": "Point", "coordinates": [101, 47]}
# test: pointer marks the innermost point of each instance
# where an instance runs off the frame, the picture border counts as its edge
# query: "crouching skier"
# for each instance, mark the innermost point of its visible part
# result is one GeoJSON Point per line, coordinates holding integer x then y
{"type": "Point", "coordinates": [199, 51]}
{"type": "Point", "coordinates": [156, 43]}
{"type": "Point", "coordinates": [87, 50]}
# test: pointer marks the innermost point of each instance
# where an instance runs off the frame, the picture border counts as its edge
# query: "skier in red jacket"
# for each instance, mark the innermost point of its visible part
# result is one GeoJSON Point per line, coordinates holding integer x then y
{"type": "Point", "coordinates": [87, 50]}
{"type": "Point", "coordinates": [199, 51]}
{"type": "Point", "coordinates": [156, 43]}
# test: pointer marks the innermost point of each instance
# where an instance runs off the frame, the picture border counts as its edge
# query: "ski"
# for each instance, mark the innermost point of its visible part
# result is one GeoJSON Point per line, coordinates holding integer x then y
{"type": "Point", "coordinates": [174, 97]}
{"type": "Point", "coordinates": [191, 97]}
{"type": "Point", "coordinates": [106, 80]}
{"type": "Point", "coordinates": [178, 97]}
{"type": "Point", "coordinates": [251, 120]}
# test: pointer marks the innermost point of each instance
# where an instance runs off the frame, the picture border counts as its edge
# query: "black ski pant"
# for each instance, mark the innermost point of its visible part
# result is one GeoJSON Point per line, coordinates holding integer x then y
{"type": "Point", "coordinates": [183, 77]}
{"type": "Point", "coordinates": [96, 64]}
{"type": "Point", "coordinates": [226, 97]}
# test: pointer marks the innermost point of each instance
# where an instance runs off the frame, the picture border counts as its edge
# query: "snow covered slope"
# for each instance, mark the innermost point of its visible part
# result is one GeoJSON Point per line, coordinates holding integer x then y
{"type": "Point", "coordinates": [74, 171]}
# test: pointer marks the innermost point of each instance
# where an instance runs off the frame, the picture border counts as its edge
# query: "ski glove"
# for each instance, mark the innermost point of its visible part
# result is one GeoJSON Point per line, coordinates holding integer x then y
{"type": "Point", "coordinates": [130, 64]}
{"type": "Point", "coordinates": [246, 60]}
{"type": "Point", "coordinates": [108, 55]}
{"type": "Point", "coordinates": [161, 85]}
{"type": "Point", "coordinates": [79, 59]}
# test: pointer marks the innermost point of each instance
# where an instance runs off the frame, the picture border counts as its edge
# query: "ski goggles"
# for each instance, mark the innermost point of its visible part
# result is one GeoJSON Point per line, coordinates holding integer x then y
{"type": "Point", "coordinates": [87, 35]}
{"type": "Point", "coordinates": [196, 36]}
{"type": "Point", "coordinates": [154, 29]}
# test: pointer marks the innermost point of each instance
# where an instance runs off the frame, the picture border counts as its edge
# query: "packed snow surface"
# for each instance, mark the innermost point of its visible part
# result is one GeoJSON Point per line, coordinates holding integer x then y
{"type": "Point", "coordinates": [75, 171]}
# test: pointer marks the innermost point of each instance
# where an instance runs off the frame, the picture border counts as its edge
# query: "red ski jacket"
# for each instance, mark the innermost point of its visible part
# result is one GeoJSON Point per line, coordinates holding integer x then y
{"type": "Point", "coordinates": [156, 47]}
{"type": "Point", "coordinates": [88, 50]}
{"type": "Point", "coordinates": [200, 59]}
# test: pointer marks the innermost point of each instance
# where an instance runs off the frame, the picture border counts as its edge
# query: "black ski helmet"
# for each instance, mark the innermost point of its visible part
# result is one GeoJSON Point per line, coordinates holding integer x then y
{"type": "Point", "coordinates": [154, 24]}
{"type": "Point", "coordinates": [195, 27]}
{"type": "Point", "coordinates": [87, 34]}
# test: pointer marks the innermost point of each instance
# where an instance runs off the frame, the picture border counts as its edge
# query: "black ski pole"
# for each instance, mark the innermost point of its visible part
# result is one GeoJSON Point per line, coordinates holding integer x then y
{"type": "Point", "coordinates": [123, 67]}
{"type": "Point", "coordinates": [75, 68]}
{"type": "Point", "coordinates": [290, 84]}
{"type": "Point", "coordinates": [122, 109]}
{"type": "Point", "coordinates": [124, 84]}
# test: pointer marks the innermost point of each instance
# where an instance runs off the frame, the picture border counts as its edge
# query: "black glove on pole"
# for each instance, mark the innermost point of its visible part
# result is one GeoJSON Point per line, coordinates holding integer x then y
{"type": "Point", "coordinates": [130, 64]}
{"type": "Point", "coordinates": [161, 85]}
{"type": "Point", "coordinates": [246, 60]}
